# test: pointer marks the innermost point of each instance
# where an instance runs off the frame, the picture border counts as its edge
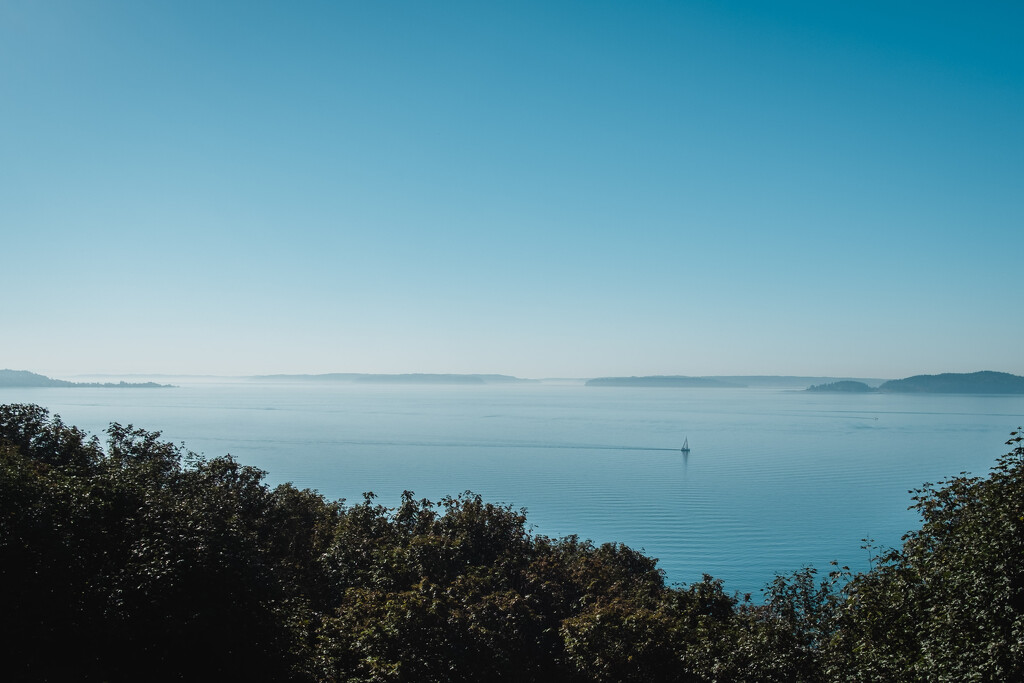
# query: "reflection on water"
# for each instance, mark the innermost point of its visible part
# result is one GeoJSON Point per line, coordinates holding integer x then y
{"type": "Point", "coordinates": [774, 480]}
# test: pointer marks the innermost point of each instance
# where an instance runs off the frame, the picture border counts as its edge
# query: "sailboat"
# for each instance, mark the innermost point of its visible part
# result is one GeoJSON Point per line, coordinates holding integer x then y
{"type": "Point", "coordinates": [686, 446]}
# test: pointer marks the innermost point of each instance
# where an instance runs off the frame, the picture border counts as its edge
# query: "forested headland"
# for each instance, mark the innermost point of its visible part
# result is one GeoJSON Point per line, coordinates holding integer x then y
{"type": "Point", "coordinates": [134, 559]}
{"type": "Point", "coordinates": [984, 382]}
{"type": "Point", "coordinates": [24, 378]}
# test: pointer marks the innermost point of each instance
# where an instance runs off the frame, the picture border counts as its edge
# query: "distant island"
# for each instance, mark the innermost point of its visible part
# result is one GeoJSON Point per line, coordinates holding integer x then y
{"type": "Point", "coordinates": [791, 381]}
{"type": "Point", "coordinates": [844, 386]}
{"type": "Point", "coordinates": [662, 381]}
{"type": "Point", "coordinates": [985, 382]}
{"type": "Point", "coordinates": [409, 378]}
{"type": "Point", "coordinates": [794, 382]}
{"type": "Point", "coordinates": [24, 378]}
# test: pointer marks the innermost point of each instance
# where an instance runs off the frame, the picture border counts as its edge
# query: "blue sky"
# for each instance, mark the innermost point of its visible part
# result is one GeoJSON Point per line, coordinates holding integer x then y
{"type": "Point", "coordinates": [533, 188]}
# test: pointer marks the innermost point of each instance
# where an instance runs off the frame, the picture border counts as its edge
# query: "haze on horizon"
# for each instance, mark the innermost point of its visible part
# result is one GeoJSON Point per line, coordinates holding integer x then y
{"type": "Point", "coordinates": [540, 189]}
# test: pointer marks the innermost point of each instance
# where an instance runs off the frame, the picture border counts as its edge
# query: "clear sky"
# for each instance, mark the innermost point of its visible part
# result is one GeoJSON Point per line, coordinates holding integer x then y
{"type": "Point", "coordinates": [551, 188]}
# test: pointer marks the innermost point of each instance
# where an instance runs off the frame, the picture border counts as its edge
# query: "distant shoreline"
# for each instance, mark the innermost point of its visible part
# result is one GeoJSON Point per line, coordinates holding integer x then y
{"type": "Point", "coordinates": [26, 379]}
{"type": "Point", "coordinates": [984, 382]}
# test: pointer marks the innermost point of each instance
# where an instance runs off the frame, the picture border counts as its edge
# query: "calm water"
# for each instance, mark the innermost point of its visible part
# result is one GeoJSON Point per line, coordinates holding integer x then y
{"type": "Point", "coordinates": [775, 479]}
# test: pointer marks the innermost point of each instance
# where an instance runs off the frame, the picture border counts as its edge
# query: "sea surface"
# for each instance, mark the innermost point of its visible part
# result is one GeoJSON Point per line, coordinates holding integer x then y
{"type": "Point", "coordinates": [775, 480]}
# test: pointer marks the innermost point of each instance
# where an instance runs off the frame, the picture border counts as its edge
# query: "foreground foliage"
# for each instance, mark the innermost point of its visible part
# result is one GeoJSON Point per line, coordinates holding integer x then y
{"type": "Point", "coordinates": [135, 559]}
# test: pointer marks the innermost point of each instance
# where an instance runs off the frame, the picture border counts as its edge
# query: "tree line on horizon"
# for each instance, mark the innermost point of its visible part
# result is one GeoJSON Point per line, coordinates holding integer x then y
{"type": "Point", "coordinates": [24, 378]}
{"type": "Point", "coordinates": [134, 558]}
{"type": "Point", "coordinates": [984, 382]}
